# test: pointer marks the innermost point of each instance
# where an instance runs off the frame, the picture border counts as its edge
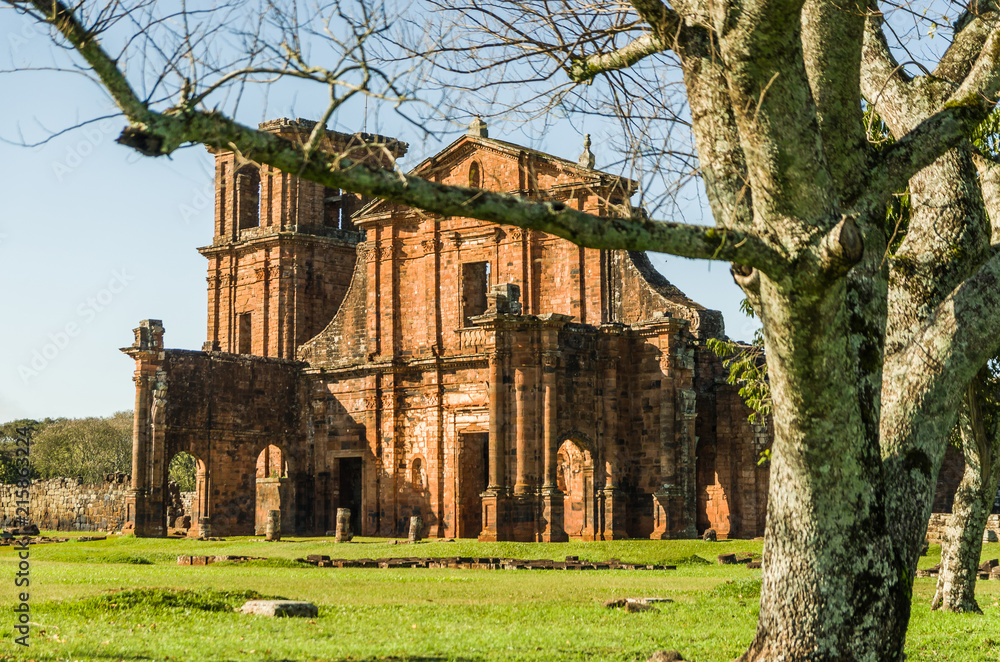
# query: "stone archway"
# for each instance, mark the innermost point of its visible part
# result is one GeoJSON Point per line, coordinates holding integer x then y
{"type": "Point", "coordinates": [575, 479]}
{"type": "Point", "coordinates": [185, 495]}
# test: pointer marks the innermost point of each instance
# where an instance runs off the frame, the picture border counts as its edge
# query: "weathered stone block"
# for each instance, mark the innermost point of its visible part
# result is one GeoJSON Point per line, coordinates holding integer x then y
{"type": "Point", "coordinates": [280, 608]}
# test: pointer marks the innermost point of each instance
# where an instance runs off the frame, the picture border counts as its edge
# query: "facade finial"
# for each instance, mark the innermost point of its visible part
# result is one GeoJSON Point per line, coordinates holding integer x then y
{"type": "Point", "coordinates": [477, 127]}
{"type": "Point", "coordinates": [587, 158]}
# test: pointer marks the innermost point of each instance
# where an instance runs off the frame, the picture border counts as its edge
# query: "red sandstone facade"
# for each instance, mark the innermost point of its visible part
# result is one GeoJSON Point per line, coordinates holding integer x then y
{"type": "Point", "coordinates": [500, 383]}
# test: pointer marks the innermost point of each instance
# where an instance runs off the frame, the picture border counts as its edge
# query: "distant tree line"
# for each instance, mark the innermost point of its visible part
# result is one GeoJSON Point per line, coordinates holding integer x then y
{"type": "Point", "coordinates": [85, 448]}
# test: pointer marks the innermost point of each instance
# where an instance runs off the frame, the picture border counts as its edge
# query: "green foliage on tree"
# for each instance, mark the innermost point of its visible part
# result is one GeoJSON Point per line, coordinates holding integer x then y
{"type": "Point", "coordinates": [747, 368]}
{"type": "Point", "coordinates": [182, 471]}
{"type": "Point", "coordinates": [85, 448]}
{"type": "Point", "coordinates": [10, 434]}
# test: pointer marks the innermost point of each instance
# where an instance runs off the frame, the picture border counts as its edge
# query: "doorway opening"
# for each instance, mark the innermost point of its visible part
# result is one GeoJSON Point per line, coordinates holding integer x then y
{"type": "Point", "coordinates": [473, 479]}
{"type": "Point", "coordinates": [351, 479]}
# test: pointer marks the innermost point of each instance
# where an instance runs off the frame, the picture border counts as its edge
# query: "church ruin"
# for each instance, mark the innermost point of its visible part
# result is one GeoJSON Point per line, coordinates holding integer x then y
{"type": "Point", "coordinates": [501, 383]}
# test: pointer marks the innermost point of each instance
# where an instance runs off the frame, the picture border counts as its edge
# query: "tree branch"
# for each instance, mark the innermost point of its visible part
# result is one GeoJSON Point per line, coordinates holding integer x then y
{"type": "Point", "coordinates": [155, 133]}
{"type": "Point", "coordinates": [919, 148]}
{"type": "Point", "coordinates": [983, 81]}
{"type": "Point", "coordinates": [972, 29]}
{"type": "Point", "coordinates": [832, 37]}
{"type": "Point", "coordinates": [988, 167]}
{"type": "Point", "coordinates": [586, 68]}
{"type": "Point", "coordinates": [884, 83]}
{"type": "Point", "coordinates": [950, 347]}
{"type": "Point", "coordinates": [663, 20]}
{"type": "Point", "coordinates": [660, 17]}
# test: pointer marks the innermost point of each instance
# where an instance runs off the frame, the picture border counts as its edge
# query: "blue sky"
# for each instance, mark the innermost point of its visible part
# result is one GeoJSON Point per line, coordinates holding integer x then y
{"type": "Point", "coordinates": [95, 238]}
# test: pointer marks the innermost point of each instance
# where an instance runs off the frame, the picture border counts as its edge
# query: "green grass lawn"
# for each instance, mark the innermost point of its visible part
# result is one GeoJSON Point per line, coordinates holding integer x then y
{"type": "Point", "coordinates": [416, 614]}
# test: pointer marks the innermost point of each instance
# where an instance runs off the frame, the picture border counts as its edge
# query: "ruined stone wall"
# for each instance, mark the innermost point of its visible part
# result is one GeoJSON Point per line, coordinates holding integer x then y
{"type": "Point", "coordinates": [938, 525]}
{"type": "Point", "coordinates": [66, 504]}
{"type": "Point", "coordinates": [639, 293]}
{"type": "Point", "coordinates": [732, 486]}
{"type": "Point", "coordinates": [290, 286]}
{"type": "Point", "coordinates": [741, 483]}
{"type": "Point", "coordinates": [344, 341]}
{"type": "Point", "coordinates": [405, 429]}
{"type": "Point", "coordinates": [624, 402]}
{"type": "Point", "coordinates": [225, 410]}
{"type": "Point", "coordinates": [283, 251]}
{"type": "Point", "coordinates": [952, 468]}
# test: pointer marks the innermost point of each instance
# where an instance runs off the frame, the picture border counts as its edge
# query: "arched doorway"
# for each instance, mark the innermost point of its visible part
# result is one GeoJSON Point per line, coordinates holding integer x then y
{"type": "Point", "coordinates": [274, 490]}
{"type": "Point", "coordinates": [575, 479]}
{"type": "Point", "coordinates": [184, 498]}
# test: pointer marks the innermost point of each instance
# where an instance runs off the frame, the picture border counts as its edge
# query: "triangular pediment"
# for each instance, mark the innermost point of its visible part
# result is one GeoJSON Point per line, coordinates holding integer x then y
{"type": "Point", "coordinates": [531, 170]}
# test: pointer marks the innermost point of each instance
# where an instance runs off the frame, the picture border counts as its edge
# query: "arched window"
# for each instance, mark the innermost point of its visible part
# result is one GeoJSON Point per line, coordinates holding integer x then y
{"type": "Point", "coordinates": [475, 176]}
{"type": "Point", "coordinates": [271, 463]}
{"type": "Point", "coordinates": [248, 197]}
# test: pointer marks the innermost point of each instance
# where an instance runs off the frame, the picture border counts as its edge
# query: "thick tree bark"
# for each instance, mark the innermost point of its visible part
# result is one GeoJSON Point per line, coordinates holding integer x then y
{"type": "Point", "coordinates": [826, 528]}
{"type": "Point", "coordinates": [956, 587]}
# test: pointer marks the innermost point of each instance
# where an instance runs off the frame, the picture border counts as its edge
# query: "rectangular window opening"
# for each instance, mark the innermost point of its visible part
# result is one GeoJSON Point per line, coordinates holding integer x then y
{"type": "Point", "coordinates": [334, 215]}
{"type": "Point", "coordinates": [475, 284]}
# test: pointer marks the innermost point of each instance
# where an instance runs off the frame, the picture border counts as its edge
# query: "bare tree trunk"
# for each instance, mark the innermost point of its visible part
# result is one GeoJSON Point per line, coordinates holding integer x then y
{"type": "Point", "coordinates": [956, 587]}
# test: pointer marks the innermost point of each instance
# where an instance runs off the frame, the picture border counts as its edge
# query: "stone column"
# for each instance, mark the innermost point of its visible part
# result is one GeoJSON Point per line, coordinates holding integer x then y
{"type": "Point", "coordinates": [139, 430]}
{"type": "Point", "coordinates": [521, 485]}
{"type": "Point", "coordinates": [497, 480]}
{"type": "Point", "coordinates": [494, 499]}
{"type": "Point", "coordinates": [147, 352]}
{"type": "Point", "coordinates": [549, 424]}
{"type": "Point", "coordinates": [344, 533]}
{"type": "Point", "coordinates": [614, 503]}
{"type": "Point", "coordinates": [553, 529]}
{"type": "Point", "coordinates": [156, 465]}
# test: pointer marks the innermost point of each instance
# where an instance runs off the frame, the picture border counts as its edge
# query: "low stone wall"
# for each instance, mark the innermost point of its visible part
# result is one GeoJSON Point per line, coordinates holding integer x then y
{"type": "Point", "coordinates": [939, 523]}
{"type": "Point", "coordinates": [66, 504]}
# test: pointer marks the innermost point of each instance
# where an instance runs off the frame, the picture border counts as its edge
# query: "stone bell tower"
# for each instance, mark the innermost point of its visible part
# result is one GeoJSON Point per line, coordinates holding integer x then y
{"type": "Point", "coordinates": [284, 248]}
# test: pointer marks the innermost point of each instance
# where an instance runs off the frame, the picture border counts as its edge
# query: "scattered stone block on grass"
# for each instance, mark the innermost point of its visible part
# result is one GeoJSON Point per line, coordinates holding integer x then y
{"type": "Point", "coordinates": [635, 607]}
{"type": "Point", "coordinates": [280, 608]}
{"type": "Point", "coordinates": [635, 604]}
{"type": "Point", "coordinates": [727, 559]}
{"type": "Point", "coordinates": [665, 656]}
